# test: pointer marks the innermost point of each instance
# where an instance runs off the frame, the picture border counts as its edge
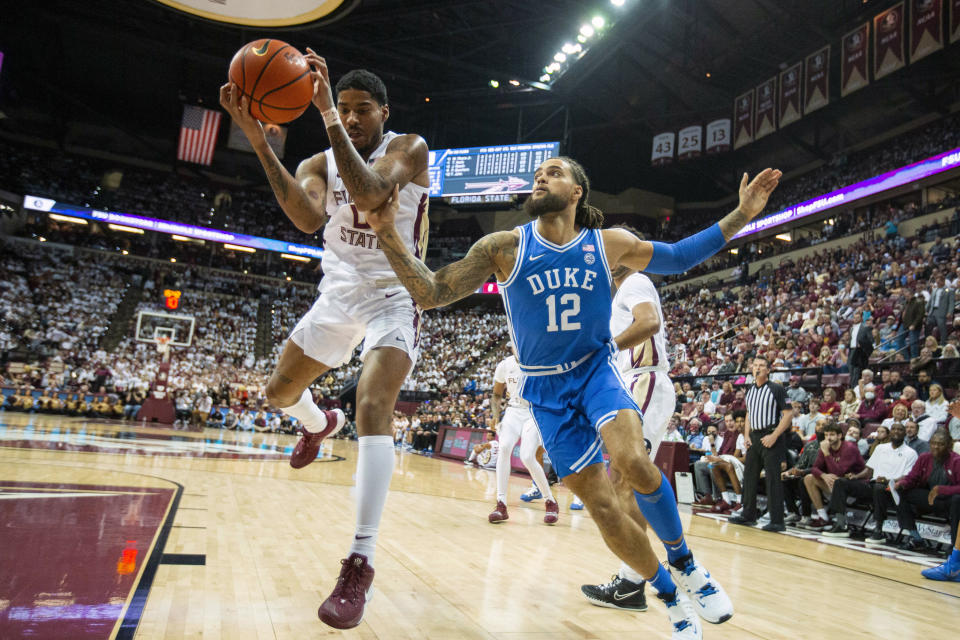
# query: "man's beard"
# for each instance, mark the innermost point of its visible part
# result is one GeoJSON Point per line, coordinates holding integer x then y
{"type": "Point", "coordinates": [549, 203]}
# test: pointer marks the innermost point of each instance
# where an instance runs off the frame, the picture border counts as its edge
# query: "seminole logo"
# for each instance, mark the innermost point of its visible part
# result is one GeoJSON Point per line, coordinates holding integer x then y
{"type": "Point", "coordinates": [855, 41]}
{"type": "Point", "coordinates": [890, 21]}
{"type": "Point", "coordinates": [262, 49]}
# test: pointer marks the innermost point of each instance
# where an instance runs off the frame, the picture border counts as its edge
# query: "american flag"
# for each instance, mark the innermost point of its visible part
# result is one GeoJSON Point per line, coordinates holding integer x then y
{"type": "Point", "coordinates": [198, 134]}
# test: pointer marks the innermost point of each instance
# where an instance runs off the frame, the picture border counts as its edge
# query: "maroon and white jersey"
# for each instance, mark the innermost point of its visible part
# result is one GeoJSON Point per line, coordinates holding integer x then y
{"type": "Point", "coordinates": [350, 247]}
{"type": "Point", "coordinates": [651, 354]}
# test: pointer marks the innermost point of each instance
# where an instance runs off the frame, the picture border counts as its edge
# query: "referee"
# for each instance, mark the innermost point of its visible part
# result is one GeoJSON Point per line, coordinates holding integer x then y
{"type": "Point", "coordinates": [769, 415]}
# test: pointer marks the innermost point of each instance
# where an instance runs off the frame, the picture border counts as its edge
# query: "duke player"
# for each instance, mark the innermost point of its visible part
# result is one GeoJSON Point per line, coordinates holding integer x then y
{"type": "Point", "coordinates": [555, 273]}
{"type": "Point", "coordinates": [516, 425]}
{"type": "Point", "coordinates": [360, 297]}
{"type": "Point", "coordinates": [637, 325]}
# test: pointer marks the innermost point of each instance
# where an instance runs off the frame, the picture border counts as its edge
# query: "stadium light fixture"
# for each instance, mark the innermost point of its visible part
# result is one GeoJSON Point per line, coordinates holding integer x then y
{"type": "Point", "coordinates": [180, 238]}
{"type": "Point", "coordinates": [582, 39]}
{"type": "Point", "coordinates": [545, 78]}
{"type": "Point", "coordinates": [568, 48]}
{"type": "Point", "coordinates": [598, 22]}
{"type": "Point", "coordinates": [289, 256]}
{"type": "Point", "coordinates": [125, 252]}
{"type": "Point", "coordinates": [42, 239]}
{"type": "Point", "coordinates": [617, 3]}
{"type": "Point", "coordinates": [173, 259]}
{"type": "Point", "coordinates": [515, 83]}
{"type": "Point", "coordinates": [495, 84]}
{"type": "Point", "coordinates": [559, 56]}
{"type": "Point", "coordinates": [237, 247]}
{"type": "Point", "coordinates": [786, 237]}
{"type": "Point", "coordinates": [586, 30]}
{"type": "Point", "coordinates": [120, 227]}
{"type": "Point", "coordinates": [734, 251]}
{"type": "Point", "coordinates": [70, 219]}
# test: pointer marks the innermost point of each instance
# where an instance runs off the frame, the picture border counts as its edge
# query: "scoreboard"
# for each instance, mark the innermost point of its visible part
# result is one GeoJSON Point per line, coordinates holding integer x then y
{"type": "Point", "coordinates": [475, 171]}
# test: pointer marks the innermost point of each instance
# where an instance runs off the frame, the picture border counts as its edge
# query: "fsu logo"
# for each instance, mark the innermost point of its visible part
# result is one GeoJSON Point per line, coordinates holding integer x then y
{"type": "Point", "coordinates": [890, 21]}
{"type": "Point", "coordinates": [818, 61]}
{"type": "Point", "coordinates": [791, 77]}
{"type": "Point", "coordinates": [744, 103]}
{"type": "Point", "coordinates": [855, 41]}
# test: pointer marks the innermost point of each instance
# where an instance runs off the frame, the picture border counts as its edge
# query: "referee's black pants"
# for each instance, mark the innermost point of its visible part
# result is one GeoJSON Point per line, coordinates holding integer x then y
{"type": "Point", "coordinates": [760, 458]}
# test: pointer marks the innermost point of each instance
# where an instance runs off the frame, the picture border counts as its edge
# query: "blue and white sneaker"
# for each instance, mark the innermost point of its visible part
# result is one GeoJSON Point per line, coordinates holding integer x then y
{"type": "Point", "coordinates": [577, 504]}
{"type": "Point", "coordinates": [942, 573]}
{"type": "Point", "coordinates": [709, 599]}
{"type": "Point", "coordinates": [683, 617]}
{"type": "Point", "coordinates": [533, 493]}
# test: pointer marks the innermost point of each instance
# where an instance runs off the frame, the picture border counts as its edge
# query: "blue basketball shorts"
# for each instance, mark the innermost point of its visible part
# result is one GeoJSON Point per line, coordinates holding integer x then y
{"type": "Point", "coordinates": [569, 408]}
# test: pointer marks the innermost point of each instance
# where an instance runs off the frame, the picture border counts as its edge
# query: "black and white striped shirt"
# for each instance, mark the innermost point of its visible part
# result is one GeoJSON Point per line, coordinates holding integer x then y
{"type": "Point", "coordinates": [765, 404]}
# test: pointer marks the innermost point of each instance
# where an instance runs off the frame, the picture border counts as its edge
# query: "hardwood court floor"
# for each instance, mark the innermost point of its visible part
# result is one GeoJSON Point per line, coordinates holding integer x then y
{"type": "Point", "coordinates": [271, 537]}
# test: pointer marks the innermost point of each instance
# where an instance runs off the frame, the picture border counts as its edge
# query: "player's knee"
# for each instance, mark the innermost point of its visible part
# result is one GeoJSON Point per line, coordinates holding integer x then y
{"type": "Point", "coordinates": [637, 471]}
{"type": "Point", "coordinates": [810, 480]}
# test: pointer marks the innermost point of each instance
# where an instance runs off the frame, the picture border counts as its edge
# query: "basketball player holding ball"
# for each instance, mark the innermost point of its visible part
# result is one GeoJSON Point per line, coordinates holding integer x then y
{"type": "Point", "coordinates": [360, 297]}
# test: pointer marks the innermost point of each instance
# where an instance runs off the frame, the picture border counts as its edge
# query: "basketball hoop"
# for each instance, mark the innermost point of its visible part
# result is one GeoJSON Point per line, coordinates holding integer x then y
{"type": "Point", "coordinates": [163, 347]}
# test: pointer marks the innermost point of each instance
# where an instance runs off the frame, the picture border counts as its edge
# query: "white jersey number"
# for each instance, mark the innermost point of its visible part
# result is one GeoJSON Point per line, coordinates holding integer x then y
{"type": "Point", "coordinates": [566, 324]}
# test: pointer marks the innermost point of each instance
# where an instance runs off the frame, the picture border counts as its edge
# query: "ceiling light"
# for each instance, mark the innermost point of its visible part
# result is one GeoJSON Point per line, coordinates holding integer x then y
{"type": "Point", "coordinates": [237, 247]}
{"type": "Point", "coordinates": [708, 74]}
{"type": "Point", "coordinates": [494, 84]}
{"type": "Point", "coordinates": [293, 257]}
{"type": "Point", "coordinates": [582, 38]}
{"type": "Point", "coordinates": [125, 252]}
{"type": "Point", "coordinates": [560, 57]}
{"type": "Point", "coordinates": [515, 83]}
{"type": "Point", "coordinates": [784, 236]}
{"type": "Point", "coordinates": [545, 78]}
{"type": "Point", "coordinates": [567, 48]}
{"type": "Point", "coordinates": [71, 219]}
{"type": "Point", "coordinates": [426, 99]}
{"type": "Point", "coordinates": [616, 3]}
{"type": "Point", "coordinates": [586, 30]}
{"type": "Point", "coordinates": [173, 259]}
{"type": "Point", "coordinates": [120, 227]}
{"type": "Point", "coordinates": [180, 238]}
{"type": "Point", "coordinates": [598, 22]}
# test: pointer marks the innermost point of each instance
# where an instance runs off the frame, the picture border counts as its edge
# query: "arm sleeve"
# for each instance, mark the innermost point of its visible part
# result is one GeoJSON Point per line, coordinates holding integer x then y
{"type": "Point", "coordinates": [687, 253]}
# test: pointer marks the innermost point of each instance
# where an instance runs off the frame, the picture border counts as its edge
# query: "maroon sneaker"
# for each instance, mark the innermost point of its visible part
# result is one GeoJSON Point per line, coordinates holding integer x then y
{"type": "Point", "coordinates": [499, 514]}
{"type": "Point", "coordinates": [705, 501]}
{"type": "Point", "coordinates": [553, 512]}
{"type": "Point", "coordinates": [721, 507]}
{"type": "Point", "coordinates": [817, 524]}
{"type": "Point", "coordinates": [344, 608]}
{"type": "Point", "coordinates": [309, 444]}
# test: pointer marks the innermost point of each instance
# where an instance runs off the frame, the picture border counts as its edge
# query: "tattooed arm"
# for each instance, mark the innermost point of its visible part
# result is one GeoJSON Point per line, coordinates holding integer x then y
{"type": "Point", "coordinates": [494, 253]}
{"type": "Point", "coordinates": [405, 161]}
{"type": "Point", "coordinates": [302, 198]}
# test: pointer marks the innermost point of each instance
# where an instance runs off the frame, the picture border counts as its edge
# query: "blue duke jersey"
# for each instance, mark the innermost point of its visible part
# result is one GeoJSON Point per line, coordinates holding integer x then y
{"type": "Point", "coordinates": [350, 246]}
{"type": "Point", "coordinates": [558, 300]}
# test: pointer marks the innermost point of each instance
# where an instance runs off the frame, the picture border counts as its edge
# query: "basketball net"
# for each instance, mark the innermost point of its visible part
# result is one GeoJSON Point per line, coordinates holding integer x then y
{"type": "Point", "coordinates": [163, 347]}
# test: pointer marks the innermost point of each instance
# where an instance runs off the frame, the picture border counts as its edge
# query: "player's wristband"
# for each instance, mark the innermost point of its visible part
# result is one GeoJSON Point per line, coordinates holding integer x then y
{"type": "Point", "coordinates": [681, 256]}
{"type": "Point", "coordinates": [330, 117]}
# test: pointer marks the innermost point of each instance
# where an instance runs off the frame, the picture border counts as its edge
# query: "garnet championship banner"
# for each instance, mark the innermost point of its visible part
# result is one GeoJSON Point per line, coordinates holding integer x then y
{"type": "Point", "coordinates": [790, 94]}
{"type": "Point", "coordinates": [853, 63]}
{"type": "Point", "coordinates": [954, 20]}
{"type": "Point", "coordinates": [817, 80]}
{"type": "Point", "coordinates": [926, 28]}
{"type": "Point", "coordinates": [662, 149]}
{"type": "Point", "coordinates": [718, 136]}
{"type": "Point", "coordinates": [689, 142]}
{"type": "Point", "coordinates": [888, 41]}
{"type": "Point", "coordinates": [743, 119]}
{"type": "Point", "coordinates": [767, 108]}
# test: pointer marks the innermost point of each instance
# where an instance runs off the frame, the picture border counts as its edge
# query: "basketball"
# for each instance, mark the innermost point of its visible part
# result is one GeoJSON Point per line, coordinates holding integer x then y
{"type": "Point", "coordinates": [275, 77]}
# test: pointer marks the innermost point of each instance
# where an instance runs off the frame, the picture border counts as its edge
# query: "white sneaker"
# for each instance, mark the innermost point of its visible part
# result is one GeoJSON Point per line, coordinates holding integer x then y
{"type": "Point", "coordinates": [683, 617]}
{"type": "Point", "coordinates": [708, 597]}
{"type": "Point", "coordinates": [792, 518]}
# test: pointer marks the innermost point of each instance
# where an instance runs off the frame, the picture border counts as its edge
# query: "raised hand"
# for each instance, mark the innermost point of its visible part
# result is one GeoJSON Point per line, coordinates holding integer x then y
{"type": "Point", "coordinates": [754, 195]}
{"type": "Point", "coordinates": [322, 91]}
{"type": "Point", "coordinates": [238, 106]}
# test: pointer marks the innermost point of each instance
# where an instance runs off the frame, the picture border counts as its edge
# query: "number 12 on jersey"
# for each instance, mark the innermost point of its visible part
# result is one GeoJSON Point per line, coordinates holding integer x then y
{"type": "Point", "coordinates": [569, 309]}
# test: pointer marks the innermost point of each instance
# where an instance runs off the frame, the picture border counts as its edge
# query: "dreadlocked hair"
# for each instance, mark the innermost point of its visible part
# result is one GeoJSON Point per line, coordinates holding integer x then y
{"type": "Point", "coordinates": [586, 216]}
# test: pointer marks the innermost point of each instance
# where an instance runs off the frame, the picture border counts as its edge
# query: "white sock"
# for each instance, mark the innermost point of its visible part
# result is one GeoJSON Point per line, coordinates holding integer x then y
{"type": "Point", "coordinates": [729, 496]}
{"type": "Point", "coordinates": [738, 497]}
{"type": "Point", "coordinates": [627, 573]}
{"type": "Point", "coordinates": [823, 514]}
{"type": "Point", "coordinates": [473, 456]}
{"type": "Point", "coordinates": [528, 454]}
{"type": "Point", "coordinates": [503, 475]}
{"type": "Point", "coordinates": [374, 470]}
{"type": "Point", "coordinates": [308, 413]}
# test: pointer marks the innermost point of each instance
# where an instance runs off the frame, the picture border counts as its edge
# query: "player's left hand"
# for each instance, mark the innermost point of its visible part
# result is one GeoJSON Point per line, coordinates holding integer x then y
{"type": "Point", "coordinates": [384, 215]}
{"type": "Point", "coordinates": [754, 195]}
{"type": "Point", "coordinates": [322, 91]}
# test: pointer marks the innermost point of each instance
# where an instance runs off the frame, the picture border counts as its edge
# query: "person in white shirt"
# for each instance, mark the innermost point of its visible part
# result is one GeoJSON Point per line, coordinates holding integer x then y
{"type": "Point", "coordinates": [927, 424]}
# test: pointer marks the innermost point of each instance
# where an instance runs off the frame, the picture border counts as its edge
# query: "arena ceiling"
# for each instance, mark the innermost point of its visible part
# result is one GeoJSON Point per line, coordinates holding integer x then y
{"type": "Point", "coordinates": [114, 75]}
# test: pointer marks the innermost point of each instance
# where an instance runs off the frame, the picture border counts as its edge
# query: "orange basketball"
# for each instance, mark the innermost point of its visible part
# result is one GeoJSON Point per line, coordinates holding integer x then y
{"type": "Point", "coordinates": [276, 79]}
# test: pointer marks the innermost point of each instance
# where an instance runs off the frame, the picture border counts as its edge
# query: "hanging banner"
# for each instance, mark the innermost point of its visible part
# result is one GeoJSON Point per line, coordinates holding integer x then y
{"type": "Point", "coordinates": [767, 108]}
{"type": "Point", "coordinates": [718, 136]}
{"type": "Point", "coordinates": [888, 41]}
{"type": "Point", "coordinates": [790, 94]}
{"type": "Point", "coordinates": [954, 20]}
{"type": "Point", "coordinates": [853, 63]}
{"type": "Point", "coordinates": [817, 80]}
{"type": "Point", "coordinates": [926, 28]}
{"type": "Point", "coordinates": [743, 119]}
{"type": "Point", "coordinates": [689, 142]}
{"type": "Point", "coordinates": [662, 149]}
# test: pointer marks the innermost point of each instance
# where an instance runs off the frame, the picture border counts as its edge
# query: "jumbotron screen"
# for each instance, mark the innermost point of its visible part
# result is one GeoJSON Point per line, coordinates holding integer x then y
{"type": "Point", "coordinates": [503, 169]}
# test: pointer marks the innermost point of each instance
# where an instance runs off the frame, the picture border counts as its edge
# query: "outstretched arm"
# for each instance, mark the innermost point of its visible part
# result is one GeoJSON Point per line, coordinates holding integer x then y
{"type": "Point", "coordinates": [659, 257]}
{"type": "Point", "coordinates": [489, 255]}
